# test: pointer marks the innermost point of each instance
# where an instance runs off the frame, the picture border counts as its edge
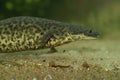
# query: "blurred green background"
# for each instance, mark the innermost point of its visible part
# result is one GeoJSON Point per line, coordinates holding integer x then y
{"type": "Point", "coordinates": [103, 15]}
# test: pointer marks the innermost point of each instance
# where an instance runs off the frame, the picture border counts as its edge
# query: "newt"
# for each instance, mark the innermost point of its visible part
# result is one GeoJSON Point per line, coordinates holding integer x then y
{"type": "Point", "coordinates": [31, 33]}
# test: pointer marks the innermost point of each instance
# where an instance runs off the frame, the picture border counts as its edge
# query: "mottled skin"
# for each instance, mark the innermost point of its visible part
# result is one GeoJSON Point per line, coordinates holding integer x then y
{"type": "Point", "coordinates": [25, 33]}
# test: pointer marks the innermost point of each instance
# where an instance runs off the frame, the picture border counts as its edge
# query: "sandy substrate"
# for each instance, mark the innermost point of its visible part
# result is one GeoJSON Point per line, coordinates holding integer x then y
{"type": "Point", "coordinates": [80, 60]}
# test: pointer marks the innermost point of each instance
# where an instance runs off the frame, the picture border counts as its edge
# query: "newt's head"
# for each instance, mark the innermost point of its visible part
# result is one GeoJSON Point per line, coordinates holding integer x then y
{"type": "Point", "coordinates": [78, 32]}
{"type": "Point", "coordinates": [72, 33]}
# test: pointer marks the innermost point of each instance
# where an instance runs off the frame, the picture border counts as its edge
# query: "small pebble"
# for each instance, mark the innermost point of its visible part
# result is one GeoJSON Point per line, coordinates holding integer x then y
{"type": "Point", "coordinates": [34, 78]}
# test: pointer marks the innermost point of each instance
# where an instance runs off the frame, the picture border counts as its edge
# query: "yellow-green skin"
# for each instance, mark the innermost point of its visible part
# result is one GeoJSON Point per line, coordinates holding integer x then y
{"type": "Point", "coordinates": [25, 33]}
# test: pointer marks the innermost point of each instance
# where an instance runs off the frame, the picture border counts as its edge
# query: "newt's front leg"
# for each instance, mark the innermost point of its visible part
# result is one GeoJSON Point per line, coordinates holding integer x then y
{"type": "Point", "coordinates": [46, 39]}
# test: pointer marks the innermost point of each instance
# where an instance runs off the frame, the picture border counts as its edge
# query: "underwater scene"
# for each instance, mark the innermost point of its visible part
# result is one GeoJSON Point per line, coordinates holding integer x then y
{"type": "Point", "coordinates": [59, 40]}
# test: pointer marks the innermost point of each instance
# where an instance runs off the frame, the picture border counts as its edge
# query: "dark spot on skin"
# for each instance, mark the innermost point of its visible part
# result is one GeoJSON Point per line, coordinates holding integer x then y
{"type": "Point", "coordinates": [14, 27]}
{"type": "Point", "coordinates": [44, 29]}
{"type": "Point", "coordinates": [10, 44]}
{"type": "Point", "coordinates": [5, 28]}
{"type": "Point", "coordinates": [26, 47]}
{"type": "Point", "coordinates": [22, 43]}
{"type": "Point", "coordinates": [3, 32]}
{"type": "Point", "coordinates": [69, 39]}
{"type": "Point", "coordinates": [3, 45]}
{"type": "Point", "coordinates": [25, 22]}
{"type": "Point", "coordinates": [11, 27]}
{"type": "Point", "coordinates": [2, 37]}
{"type": "Point", "coordinates": [37, 37]}
{"type": "Point", "coordinates": [30, 43]}
{"type": "Point", "coordinates": [18, 41]}
{"type": "Point", "coordinates": [66, 35]}
{"type": "Point", "coordinates": [0, 50]}
{"type": "Point", "coordinates": [6, 41]}
{"type": "Point", "coordinates": [7, 49]}
{"type": "Point", "coordinates": [16, 33]}
{"type": "Point", "coordinates": [12, 35]}
{"type": "Point", "coordinates": [31, 29]}
{"type": "Point", "coordinates": [42, 33]}
{"type": "Point", "coordinates": [38, 31]}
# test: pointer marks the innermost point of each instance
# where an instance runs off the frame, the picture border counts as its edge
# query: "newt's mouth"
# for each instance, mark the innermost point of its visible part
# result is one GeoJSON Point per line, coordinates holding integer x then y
{"type": "Point", "coordinates": [82, 36]}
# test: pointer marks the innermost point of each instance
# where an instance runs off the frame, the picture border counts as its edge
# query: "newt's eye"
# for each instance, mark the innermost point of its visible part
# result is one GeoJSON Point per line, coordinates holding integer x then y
{"type": "Point", "coordinates": [90, 31]}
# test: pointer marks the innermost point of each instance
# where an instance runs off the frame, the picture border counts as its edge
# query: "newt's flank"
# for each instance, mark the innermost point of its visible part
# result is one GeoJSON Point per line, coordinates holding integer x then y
{"type": "Point", "coordinates": [25, 33]}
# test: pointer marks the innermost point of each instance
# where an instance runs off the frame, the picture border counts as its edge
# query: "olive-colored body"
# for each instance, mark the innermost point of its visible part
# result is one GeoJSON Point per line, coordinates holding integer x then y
{"type": "Point", "coordinates": [24, 33]}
